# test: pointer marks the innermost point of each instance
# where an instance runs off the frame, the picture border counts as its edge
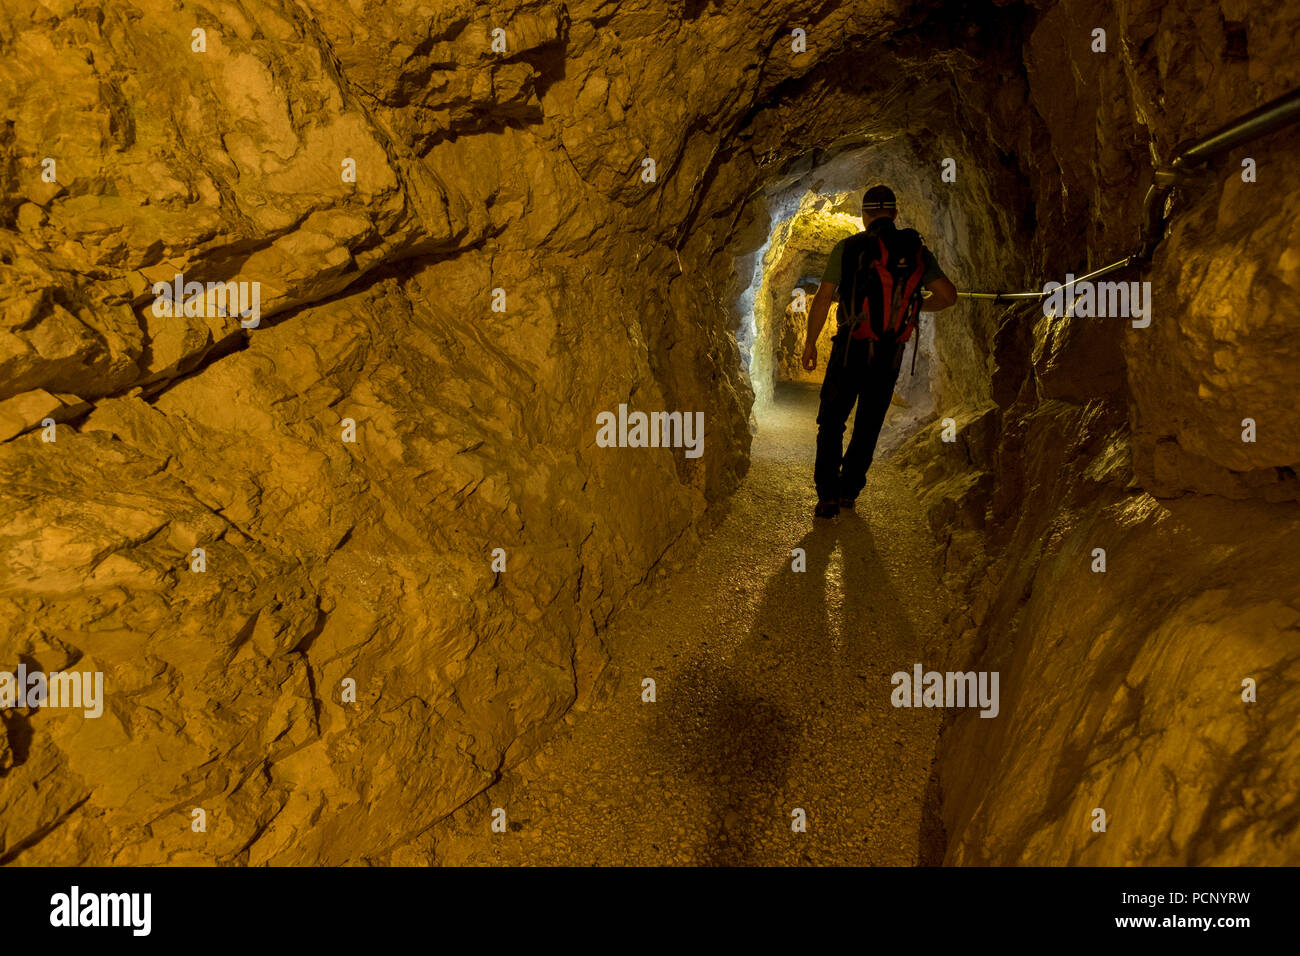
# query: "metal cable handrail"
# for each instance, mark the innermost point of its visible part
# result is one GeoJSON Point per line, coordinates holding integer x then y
{"type": "Point", "coordinates": [1273, 115]}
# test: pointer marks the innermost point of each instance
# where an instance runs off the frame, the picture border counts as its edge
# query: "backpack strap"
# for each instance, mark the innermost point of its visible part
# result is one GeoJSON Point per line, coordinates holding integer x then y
{"type": "Point", "coordinates": [909, 305]}
{"type": "Point", "coordinates": [886, 283]}
{"type": "Point", "coordinates": [862, 322]}
{"type": "Point", "coordinates": [916, 347]}
{"type": "Point", "coordinates": [914, 321]}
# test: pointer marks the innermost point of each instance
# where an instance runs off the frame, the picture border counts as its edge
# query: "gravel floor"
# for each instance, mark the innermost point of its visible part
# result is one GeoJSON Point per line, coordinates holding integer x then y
{"type": "Point", "coordinates": [773, 695]}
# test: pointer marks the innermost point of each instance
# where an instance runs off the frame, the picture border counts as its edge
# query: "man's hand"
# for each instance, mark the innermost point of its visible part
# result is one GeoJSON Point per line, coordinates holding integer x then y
{"type": "Point", "coordinates": [821, 305]}
{"type": "Point", "coordinates": [810, 356]}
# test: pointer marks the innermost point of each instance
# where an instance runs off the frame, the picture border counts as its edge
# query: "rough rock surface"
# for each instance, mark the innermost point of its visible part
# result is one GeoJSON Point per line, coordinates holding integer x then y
{"type": "Point", "coordinates": [775, 707]}
{"type": "Point", "coordinates": [475, 429]}
{"type": "Point", "coordinates": [1125, 690]}
{"type": "Point", "coordinates": [128, 156]}
{"type": "Point", "coordinates": [795, 259]}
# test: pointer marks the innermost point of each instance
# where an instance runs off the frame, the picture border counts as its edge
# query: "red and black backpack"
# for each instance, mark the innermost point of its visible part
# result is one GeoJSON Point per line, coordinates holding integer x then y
{"type": "Point", "coordinates": [880, 283]}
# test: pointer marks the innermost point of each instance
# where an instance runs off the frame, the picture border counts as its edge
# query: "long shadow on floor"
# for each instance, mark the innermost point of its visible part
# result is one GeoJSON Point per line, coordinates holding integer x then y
{"type": "Point", "coordinates": [815, 650]}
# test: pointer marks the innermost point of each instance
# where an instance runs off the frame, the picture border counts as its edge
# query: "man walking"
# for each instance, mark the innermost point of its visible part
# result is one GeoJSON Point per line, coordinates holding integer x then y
{"type": "Point", "coordinates": [879, 275]}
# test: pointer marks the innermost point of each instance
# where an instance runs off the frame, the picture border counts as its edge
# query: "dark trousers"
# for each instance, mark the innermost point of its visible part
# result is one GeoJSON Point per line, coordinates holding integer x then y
{"type": "Point", "coordinates": [868, 380]}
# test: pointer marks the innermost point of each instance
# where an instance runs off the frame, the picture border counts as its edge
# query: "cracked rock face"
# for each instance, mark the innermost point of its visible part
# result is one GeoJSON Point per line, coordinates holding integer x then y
{"type": "Point", "coordinates": [463, 257]}
{"type": "Point", "coordinates": [1122, 555]}
{"type": "Point", "coordinates": [326, 561]}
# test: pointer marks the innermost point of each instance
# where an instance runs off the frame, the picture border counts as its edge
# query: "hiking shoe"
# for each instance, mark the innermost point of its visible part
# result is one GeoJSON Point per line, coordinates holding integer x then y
{"type": "Point", "coordinates": [826, 509]}
{"type": "Point", "coordinates": [848, 503]}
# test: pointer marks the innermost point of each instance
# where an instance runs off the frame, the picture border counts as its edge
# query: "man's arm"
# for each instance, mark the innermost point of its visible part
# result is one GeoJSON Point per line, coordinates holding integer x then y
{"type": "Point", "coordinates": [816, 319]}
{"type": "Point", "coordinates": [942, 294]}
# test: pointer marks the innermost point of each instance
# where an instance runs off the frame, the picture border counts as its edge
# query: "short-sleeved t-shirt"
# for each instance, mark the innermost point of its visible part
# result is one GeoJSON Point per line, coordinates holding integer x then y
{"type": "Point", "coordinates": [835, 266]}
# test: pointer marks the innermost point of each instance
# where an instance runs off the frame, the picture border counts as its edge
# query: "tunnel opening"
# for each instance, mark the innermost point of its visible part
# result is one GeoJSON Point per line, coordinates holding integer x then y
{"type": "Point", "coordinates": [811, 202]}
{"type": "Point", "coordinates": [787, 274]}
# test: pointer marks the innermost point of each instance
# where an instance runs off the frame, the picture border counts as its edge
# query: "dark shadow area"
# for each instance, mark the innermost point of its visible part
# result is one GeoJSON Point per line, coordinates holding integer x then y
{"type": "Point", "coordinates": [932, 841]}
{"type": "Point", "coordinates": [789, 703]}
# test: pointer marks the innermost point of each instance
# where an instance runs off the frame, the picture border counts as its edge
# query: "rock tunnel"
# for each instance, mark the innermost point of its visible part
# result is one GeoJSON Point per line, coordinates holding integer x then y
{"type": "Point", "coordinates": [359, 578]}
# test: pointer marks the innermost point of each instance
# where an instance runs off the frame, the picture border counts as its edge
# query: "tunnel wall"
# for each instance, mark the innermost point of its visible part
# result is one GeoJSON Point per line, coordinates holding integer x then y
{"type": "Point", "coordinates": [328, 561]}
{"type": "Point", "coordinates": [797, 251]}
{"type": "Point", "coordinates": [1149, 707]}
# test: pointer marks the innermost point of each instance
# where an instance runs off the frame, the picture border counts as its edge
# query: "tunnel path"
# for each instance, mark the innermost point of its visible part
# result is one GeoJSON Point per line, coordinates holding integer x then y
{"type": "Point", "coordinates": [773, 692]}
